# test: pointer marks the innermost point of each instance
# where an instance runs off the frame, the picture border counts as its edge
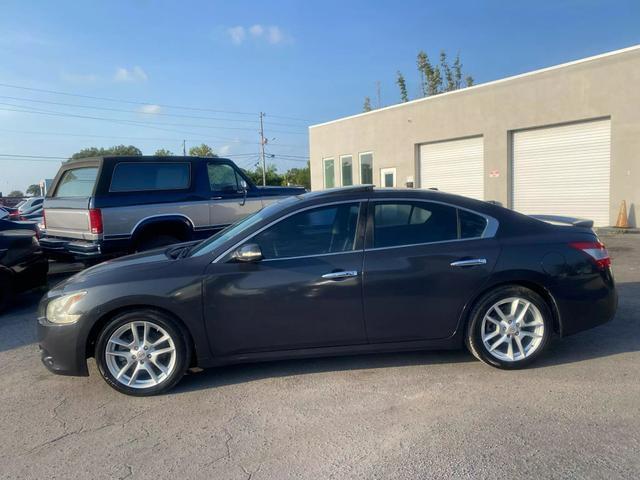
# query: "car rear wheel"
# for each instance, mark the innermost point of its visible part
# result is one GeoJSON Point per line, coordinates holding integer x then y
{"type": "Point", "coordinates": [509, 327]}
{"type": "Point", "coordinates": [142, 353]}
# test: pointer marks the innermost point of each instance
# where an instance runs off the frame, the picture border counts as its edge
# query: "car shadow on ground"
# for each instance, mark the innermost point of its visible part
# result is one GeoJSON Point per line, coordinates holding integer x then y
{"type": "Point", "coordinates": [613, 338]}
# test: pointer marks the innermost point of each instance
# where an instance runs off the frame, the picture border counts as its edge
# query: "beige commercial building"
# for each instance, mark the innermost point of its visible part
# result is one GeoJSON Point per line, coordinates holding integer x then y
{"type": "Point", "coordinates": [564, 140]}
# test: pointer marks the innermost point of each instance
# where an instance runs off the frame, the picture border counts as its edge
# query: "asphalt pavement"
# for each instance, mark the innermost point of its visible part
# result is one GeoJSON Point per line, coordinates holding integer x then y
{"type": "Point", "coordinates": [574, 414]}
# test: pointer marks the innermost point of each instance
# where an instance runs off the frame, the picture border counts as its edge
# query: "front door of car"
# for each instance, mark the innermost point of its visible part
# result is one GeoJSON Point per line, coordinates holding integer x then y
{"type": "Point", "coordinates": [228, 202]}
{"type": "Point", "coordinates": [305, 292]}
{"type": "Point", "coordinates": [423, 262]}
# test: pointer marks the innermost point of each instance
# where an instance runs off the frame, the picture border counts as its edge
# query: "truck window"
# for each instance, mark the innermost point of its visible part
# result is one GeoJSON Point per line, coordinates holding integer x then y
{"type": "Point", "coordinates": [77, 182]}
{"type": "Point", "coordinates": [138, 176]}
{"type": "Point", "coordinates": [222, 178]}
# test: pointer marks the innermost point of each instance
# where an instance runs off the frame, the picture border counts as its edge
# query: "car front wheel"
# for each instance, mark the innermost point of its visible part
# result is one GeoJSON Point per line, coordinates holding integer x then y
{"type": "Point", "coordinates": [142, 353]}
{"type": "Point", "coordinates": [509, 327]}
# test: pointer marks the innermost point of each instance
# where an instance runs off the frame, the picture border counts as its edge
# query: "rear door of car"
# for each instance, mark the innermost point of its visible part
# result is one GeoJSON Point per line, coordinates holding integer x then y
{"type": "Point", "coordinates": [67, 206]}
{"type": "Point", "coordinates": [228, 202]}
{"type": "Point", "coordinates": [423, 262]}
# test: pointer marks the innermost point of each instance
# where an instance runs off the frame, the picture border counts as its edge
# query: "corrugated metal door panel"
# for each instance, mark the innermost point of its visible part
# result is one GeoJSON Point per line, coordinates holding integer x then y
{"type": "Point", "coordinates": [563, 170]}
{"type": "Point", "coordinates": [455, 166]}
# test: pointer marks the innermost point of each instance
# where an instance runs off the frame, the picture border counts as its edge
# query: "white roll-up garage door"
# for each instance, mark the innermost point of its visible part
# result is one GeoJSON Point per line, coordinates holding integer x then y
{"type": "Point", "coordinates": [563, 170]}
{"type": "Point", "coordinates": [455, 166]}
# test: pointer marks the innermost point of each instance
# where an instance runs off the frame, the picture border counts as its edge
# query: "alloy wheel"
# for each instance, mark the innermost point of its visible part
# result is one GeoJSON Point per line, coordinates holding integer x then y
{"type": "Point", "coordinates": [140, 354]}
{"type": "Point", "coordinates": [512, 329]}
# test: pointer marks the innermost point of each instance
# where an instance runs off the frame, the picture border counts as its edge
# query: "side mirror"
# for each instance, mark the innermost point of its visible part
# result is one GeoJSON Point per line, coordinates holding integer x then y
{"type": "Point", "coordinates": [243, 187]}
{"type": "Point", "coordinates": [249, 252]}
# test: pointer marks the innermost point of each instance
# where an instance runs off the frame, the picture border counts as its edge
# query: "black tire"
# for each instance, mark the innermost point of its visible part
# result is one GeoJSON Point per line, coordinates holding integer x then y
{"type": "Point", "coordinates": [6, 291]}
{"type": "Point", "coordinates": [474, 327]}
{"type": "Point", "coordinates": [171, 327]}
{"type": "Point", "coordinates": [155, 241]}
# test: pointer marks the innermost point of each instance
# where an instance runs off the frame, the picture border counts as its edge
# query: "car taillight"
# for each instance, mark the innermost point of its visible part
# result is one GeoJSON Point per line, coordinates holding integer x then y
{"type": "Point", "coordinates": [95, 220]}
{"type": "Point", "coordinates": [595, 250]}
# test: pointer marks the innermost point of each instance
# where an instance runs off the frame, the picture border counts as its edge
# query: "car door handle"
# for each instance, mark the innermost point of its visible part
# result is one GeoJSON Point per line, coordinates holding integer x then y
{"type": "Point", "coordinates": [469, 263]}
{"type": "Point", "coordinates": [339, 275]}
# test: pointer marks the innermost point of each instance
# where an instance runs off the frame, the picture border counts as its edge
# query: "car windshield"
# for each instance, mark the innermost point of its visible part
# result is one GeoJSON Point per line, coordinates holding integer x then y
{"type": "Point", "coordinates": [237, 228]}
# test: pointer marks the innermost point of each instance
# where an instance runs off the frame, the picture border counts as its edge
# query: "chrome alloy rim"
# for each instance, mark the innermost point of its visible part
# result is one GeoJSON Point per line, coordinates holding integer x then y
{"type": "Point", "coordinates": [512, 329]}
{"type": "Point", "coordinates": [140, 354]}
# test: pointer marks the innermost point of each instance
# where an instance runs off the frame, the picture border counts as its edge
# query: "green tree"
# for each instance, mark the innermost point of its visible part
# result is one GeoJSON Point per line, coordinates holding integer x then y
{"type": "Point", "coordinates": [272, 175]}
{"type": "Point", "coordinates": [402, 84]}
{"type": "Point", "coordinates": [202, 150]}
{"type": "Point", "coordinates": [16, 193]}
{"type": "Point", "coordinates": [298, 176]}
{"type": "Point", "coordinates": [469, 81]}
{"type": "Point", "coordinates": [367, 105]}
{"type": "Point", "coordinates": [116, 150]}
{"type": "Point", "coordinates": [422, 62]}
{"type": "Point", "coordinates": [33, 190]}
{"type": "Point", "coordinates": [447, 72]}
{"type": "Point", "coordinates": [163, 152]}
{"type": "Point", "coordinates": [457, 72]}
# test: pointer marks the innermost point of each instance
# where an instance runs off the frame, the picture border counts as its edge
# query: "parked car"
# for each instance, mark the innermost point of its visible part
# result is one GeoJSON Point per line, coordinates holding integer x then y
{"type": "Point", "coordinates": [29, 204]}
{"type": "Point", "coordinates": [22, 264]}
{"type": "Point", "coordinates": [110, 206]}
{"type": "Point", "coordinates": [351, 270]}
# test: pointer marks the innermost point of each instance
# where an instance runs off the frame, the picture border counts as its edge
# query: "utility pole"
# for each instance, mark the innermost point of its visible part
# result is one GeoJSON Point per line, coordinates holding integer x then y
{"type": "Point", "coordinates": [378, 92]}
{"type": "Point", "coordinates": [262, 142]}
{"type": "Point", "coordinates": [184, 148]}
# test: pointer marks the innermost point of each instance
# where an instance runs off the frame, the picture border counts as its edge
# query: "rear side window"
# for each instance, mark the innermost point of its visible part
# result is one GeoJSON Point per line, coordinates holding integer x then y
{"type": "Point", "coordinates": [77, 182]}
{"type": "Point", "coordinates": [132, 177]}
{"type": "Point", "coordinates": [471, 225]}
{"type": "Point", "coordinates": [408, 223]}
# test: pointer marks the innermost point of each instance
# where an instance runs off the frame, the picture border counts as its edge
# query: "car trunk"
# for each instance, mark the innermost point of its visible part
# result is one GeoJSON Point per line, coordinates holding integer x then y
{"type": "Point", "coordinates": [67, 209]}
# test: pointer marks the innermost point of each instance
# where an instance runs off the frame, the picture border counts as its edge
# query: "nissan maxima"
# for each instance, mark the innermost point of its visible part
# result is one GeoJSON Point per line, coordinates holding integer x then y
{"type": "Point", "coordinates": [343, 271]}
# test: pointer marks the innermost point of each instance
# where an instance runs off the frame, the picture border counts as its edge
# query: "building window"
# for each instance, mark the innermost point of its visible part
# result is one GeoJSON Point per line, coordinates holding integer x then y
{"type": "Point", "coordinates": [346, 162]}
{"type": "Point", "coordinates": [388, 177]}
{"type": "Point", "coordinates": [329, 173]}
{"type": "Point", "coordinates": [366, 168]}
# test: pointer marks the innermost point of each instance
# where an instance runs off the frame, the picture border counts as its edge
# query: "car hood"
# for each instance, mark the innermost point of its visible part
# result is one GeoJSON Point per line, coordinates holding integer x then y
{"type": "Point", "coordinates": [140, 266]}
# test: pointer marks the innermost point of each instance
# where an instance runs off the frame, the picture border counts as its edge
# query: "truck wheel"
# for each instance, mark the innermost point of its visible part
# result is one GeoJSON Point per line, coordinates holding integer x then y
{"type": "Point", "coordinates": [155, 241]}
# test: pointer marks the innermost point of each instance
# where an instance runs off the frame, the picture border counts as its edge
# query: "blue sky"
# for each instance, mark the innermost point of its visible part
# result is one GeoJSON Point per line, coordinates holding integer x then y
{"type": "Point", "coordinates": [300, 62]}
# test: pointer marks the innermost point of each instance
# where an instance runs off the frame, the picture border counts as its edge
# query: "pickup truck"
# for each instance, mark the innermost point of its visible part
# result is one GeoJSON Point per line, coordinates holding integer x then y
{"type": "Point", "coordinates": [110, 206]}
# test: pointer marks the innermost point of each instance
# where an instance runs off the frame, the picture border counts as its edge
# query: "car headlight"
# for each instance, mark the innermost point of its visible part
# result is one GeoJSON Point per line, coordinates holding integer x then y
{"type": "Point", "coordinates": [62, 309]}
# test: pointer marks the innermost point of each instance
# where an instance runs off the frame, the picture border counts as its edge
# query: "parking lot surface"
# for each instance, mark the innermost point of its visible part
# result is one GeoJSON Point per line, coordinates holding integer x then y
{"type": "Point", "coordinates": [574, 414]}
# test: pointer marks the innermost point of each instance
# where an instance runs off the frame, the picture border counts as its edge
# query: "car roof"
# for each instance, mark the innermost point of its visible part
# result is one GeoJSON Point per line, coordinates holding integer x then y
{"type": "Point", "coordinates": [155, 158]}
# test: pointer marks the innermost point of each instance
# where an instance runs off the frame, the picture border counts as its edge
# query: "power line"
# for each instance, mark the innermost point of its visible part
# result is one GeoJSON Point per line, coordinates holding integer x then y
{"type": "Point", "coordinates": [140, 112]}
{"type": "Point", "coordinates": [154, 139]}
{"type": "Point", "coordinates": [132, 102]}
{"type": "Point", "coordinates": [131, 122]}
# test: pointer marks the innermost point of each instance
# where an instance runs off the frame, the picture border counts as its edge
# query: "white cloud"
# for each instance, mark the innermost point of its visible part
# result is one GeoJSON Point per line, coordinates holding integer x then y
{"type": "Point", "coordinates": [256, 30]}
{"type": "Point", "coordinates": [21, 38]}
{"type": "Point", "coordinates": [224, 149]}
{"type": "Point", "coordinates": [275, 35]}
{"type": "Point", "coordinates": [135, 74]}
{"type": "Point", "coordinates": [237, 34]}
{"type": "Point", "coordinates": [150, 109]}
{"type": "Point", "coordinates": [271, 34]}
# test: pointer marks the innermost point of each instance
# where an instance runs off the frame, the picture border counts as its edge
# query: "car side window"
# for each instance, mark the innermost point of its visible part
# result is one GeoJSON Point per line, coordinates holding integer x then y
{"type": "Point", "coordinates": [322, 230]}
{"type": "Point", "coordinates": [406, 223]}
{"type": "Point", "coordinates": [223, 178]}
{"type": "Point", "coordinates": [471, 225]}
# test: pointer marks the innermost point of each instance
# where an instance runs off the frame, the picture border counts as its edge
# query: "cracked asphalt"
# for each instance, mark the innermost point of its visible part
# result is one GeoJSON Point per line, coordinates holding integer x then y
{"type": "Point", "coordinates": [575, 414]}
